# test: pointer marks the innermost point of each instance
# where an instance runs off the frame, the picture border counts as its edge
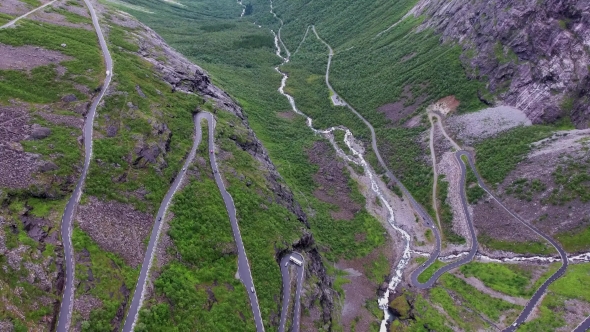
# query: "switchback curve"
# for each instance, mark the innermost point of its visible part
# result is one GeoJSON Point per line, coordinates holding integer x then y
{"type": "Point", "coordinates": [243, 265]}
{"type": "Point", "coordinates": [286, 276]}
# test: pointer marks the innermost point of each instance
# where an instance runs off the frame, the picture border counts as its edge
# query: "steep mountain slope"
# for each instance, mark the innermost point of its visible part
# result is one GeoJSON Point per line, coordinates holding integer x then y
{"type": "Point", "coordinates": [533, 55]}
{"type": "Point", "coordinates": [390, 65]}
{"type": "Point", "coordinates": [50, 68]}
{"type": "Point", "coordinates": [142, 133]}
{"type": "Point", "coordinates": [418, 72]}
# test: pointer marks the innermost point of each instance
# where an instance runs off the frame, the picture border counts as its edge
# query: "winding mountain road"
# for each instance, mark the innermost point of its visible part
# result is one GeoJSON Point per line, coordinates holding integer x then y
{"type": "Point", "coordinates": [426, 217]}
{"type": "Point", "coordinates": [472, 252]}
{"type": "Point", "coordinates": [285, 273]}
{"type": "Point", "coordinates": [66, 225]}
{"type": "Point", "coordinates": [243, 265]}
{"type": "Point", "coordinates": [434, 171]}
{"type": "Point", "coordinates": [419, 209]}
{"type": "Point", "coordinates": [11, 23]}
{"type": "Point", "coordinates": [541, 290]}
{"type": "Point", "coordinates": [139, 293]}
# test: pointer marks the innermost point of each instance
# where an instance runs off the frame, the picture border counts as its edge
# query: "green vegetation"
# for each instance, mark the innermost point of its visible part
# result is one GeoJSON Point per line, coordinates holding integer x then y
{"type": "Point", "coordinates": [61, 148]}
{"type": "Point", "coordinates": [425, 315]}
{"type": "Point", "coordinates": [457, 313]}
{"type": "Point", "coordinates": [446, 213]}
{"type": "Point", "coordinates": [496, 157]}
{"type": "Point", "coordinates": [509, 279]}
{"type": "Point", "coordinates": [369, 75]}
{"type": "Point", "coordinates": [571, 286]}
{"type": "Point", "coordinates": [492, 307]}
{"type": "Point", "coordinates": [573, 182]}
{"type": "Point", "coordinates": [46, 198]}
{"type": "Point", "coordinates": [16, 289]}
{"type": "Point", "coordinates": [74, 3]}
{"type": "Point", "coordinates": [199, 291]}
{"type": "Point", "coordinates": [427, 274]}
{"type": "Point", "coordinates": [70, 17]}
{"type": "Point", "coordinates": [501, 55]}
{"type": "Point", "coordinates": [340, 279]}
{"type": "Point", "coordinates": [524, 188]}
{"type": "Point", "coordinates": [378, 269]}
{"type": "Point", "coordinates": [43, 85]}
{"type": "Point", "coordinates": [420, 259]}
{"type": "Point", "coordinates": [38, 86]}
{"type": "Point", "coordinates": [33, 3]}
{"type": "Point", "coordinates": [5, 18]}
{"type": "Point", "coordinates": [102, 275]}
{"type": "Point", "coordinates": [527, 247]}
{"type": "Point", "coordinates": [250, 191]}
{"type": "Point", "coordinates": [247, 185]}
{"type": "Point", "coordinates": [255, 41]}
{"type": "Point", "coordinates": [576, 240]}
{"type": "Point", "coordinates": [472, 189]}
{"type": "Point", "coordinates": [401, 306]}
{"type": "Point", "coordinates": [117, 36]}
{"type": "Point", "coordinates": [244, 67]}
{"type": "Point", "coordinates": [115, 157]}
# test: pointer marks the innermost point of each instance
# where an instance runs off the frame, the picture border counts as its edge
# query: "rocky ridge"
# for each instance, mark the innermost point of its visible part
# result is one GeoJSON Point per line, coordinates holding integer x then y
{"type": "Point", "coordinates": [534, 55]}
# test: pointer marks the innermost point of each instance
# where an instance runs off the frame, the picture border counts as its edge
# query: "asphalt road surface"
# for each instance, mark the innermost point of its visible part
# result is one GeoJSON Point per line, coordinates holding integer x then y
{"type": "Point", "coordinates": [429, 222]}
{"type": "Point", "coordinates": [584, 326]}
{"type": "Point", "coordinates": [243, 265]}
{"type": "Point", "coordinates": [417, 207]}
{"type": "Point", "coordinates": [11, 23]}
{"type": "Point", "coordinates": [285, 264]}
{"type": "Point", "coordinates": [139, 293]}
{"type": "Point", "coordinates": [474, 245]}
{"type": "Point", "coordinates": [66, 225]}
{"type": "Point", "coordinates": [541, 290]}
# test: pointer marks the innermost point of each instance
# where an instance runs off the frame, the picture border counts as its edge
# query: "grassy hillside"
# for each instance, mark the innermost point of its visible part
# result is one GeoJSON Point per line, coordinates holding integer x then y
{"type": "Point", "coordinates": [240, 58]}
{"type": "Point", "coordinates": [39, 172]}
{"type": "Point", "coordinates": [367, 71]}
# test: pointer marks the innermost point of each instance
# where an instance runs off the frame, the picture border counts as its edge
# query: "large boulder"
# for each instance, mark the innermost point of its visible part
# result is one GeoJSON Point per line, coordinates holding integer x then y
{"type": "Point", "coordinates": [39, 132]}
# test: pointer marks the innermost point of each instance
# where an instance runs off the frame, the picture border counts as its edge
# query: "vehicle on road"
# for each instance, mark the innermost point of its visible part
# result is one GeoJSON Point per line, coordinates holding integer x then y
{"type": "Point", "coordinates": [184, 169]}
{"type": "Point", "coordinates": [286, 263]}
{"type": "Point", "coordinates": [210, 151]}
{"type": "Point", "coordinates": [296, 261]}
{"type": "Point", "coordinates": [252, 289]}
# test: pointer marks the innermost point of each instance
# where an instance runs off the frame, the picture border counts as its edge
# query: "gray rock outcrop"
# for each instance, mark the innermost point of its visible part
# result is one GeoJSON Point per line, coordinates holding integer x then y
{"type": "Point", "coordinates": [39, 132]}
{"type": "Point", "coordinates": [534, 55]}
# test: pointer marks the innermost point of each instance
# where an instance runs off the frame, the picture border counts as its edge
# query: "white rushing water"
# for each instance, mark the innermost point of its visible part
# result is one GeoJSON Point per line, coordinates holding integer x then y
{"type": "Point", "coordinates": [358, 159]}
{"type": "Point", "coordinates": [243, 8]}
{"type": "Point", "coordinates": [579, 258]}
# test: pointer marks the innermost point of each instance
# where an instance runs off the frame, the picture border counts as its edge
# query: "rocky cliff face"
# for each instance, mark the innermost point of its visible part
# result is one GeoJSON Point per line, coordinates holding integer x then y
{"type": "Point", "coordinates": [535, 55]}
{"type": "Point", "coordinates": [187, 77]}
